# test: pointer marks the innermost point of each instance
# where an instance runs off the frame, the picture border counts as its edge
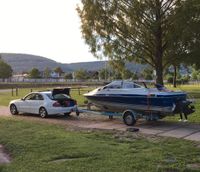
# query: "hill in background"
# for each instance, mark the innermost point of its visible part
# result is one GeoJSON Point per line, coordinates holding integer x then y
{"type": "Point", "coordinates": [25, 62]}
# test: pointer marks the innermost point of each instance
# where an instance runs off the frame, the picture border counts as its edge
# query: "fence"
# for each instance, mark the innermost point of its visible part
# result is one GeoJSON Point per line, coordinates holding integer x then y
{"type": "Point", "coordinates": [44, 84]}
{"type": "Point", "coordinates": [78, 90]}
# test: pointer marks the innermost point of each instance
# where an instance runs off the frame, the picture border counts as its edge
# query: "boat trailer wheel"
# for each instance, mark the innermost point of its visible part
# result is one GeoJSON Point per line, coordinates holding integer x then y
{"type": "Point", "coordinates": [129, 118]}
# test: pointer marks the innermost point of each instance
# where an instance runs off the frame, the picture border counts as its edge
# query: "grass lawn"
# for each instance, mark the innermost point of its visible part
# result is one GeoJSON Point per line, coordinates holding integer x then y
{"type": "Point", "coordinates": [39, 147]}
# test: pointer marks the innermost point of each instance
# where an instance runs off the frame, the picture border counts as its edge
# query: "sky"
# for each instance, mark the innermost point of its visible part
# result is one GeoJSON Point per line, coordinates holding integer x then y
{"type": "Point", "coordinates": [48, 28]}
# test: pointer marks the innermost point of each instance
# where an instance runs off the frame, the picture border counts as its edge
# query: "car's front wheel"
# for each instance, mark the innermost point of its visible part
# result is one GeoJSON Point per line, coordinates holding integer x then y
{"type": "Point", "coordinates": [13, 109]}
{"type": "Point", "coordinates": [43, 112]}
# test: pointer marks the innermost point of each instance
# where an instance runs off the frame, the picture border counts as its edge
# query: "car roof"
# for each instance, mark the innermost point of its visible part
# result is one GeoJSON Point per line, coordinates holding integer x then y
{"type": "Point", "coordinates": [41, 92]}
{"type": "Point", "coordinates": [45, 92]}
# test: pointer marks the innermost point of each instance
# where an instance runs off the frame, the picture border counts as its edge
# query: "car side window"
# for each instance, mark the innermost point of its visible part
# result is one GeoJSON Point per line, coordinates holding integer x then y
{"type": "Point", "coordinates": [30, 97]}
{"type": "Point", "coordinates": [38, 97]}
{"type": "Point", "coordinates": [34, 97]}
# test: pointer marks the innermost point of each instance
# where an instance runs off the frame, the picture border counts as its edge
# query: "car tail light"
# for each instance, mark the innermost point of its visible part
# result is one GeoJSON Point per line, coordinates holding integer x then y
{"type": "Point", "coordinates": [56, 104]}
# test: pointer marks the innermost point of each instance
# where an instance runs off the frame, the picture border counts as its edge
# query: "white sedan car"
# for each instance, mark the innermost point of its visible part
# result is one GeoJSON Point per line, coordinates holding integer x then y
{"type": "Point", "coordinates": [45, 103]}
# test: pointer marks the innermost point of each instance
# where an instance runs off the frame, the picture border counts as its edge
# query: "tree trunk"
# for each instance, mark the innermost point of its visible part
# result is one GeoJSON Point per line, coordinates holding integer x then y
{"type": "Point", "coordinates": [159, 75]}
{"type": "Point", "coordinates": [175, 76]}
{"type": "Point", "coordinates": [159, 47]}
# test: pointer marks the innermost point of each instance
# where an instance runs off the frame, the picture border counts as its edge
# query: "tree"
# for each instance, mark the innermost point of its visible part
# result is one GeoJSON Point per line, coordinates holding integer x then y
{"type": "Point", "coordinates": [5, 70]}
{"type": "Point", "coordinates": [120, 71]}
{"type": "Point", "coordinates": [105, 73]}
{"type": "Point", "coordinates": [190, 41]}
{"type": "Point", "coordinates": [34, 73]}
{"type": "Point", "coordinates": [93, 75]}
{"type": "Point", "coordinates": [81, 74]}
{"type": "Point", "coordinates": [148, 74]}
{"type": "Point", "coordinates": [145, 31]}
{"type": "Point", "coordinates": [47, 72]}
{"type": "Point", "coordinates": [68, 76]}
{"type": "Point", "coordinates": [127, 74]}
{"type": "Point", "coordinates": [119, 68]}
{"type": "Point", "coordinates": [195, 74]}
{"type": "Point", "coordinates": [58, 70]}
{"type": "Point", "coordinates": [185, 47]}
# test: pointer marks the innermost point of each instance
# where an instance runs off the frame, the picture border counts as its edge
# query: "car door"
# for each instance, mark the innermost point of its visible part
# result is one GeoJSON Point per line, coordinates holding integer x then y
{"type": "Point", "coordinates": [28, 103]}
{"type": "Point", "coordinates": [37, 103]}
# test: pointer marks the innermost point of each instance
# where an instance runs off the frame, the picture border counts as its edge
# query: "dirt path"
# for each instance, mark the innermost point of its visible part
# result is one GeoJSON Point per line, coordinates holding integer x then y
{"type": "Point", "coordinates": [160, 128]}
{"type": "Point", "coordinates": [4, 111]}
{"type": "Point", "coordinates": [4, 157]}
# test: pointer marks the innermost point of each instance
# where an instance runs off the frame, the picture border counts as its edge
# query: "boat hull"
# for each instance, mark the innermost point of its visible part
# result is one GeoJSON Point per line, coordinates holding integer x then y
{"type": "Point", "coordinates": [142, 103]}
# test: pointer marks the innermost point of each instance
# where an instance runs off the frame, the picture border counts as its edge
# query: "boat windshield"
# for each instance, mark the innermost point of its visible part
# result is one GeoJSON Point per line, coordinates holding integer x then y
{"type": "Point", "coordinates": [121, 84]}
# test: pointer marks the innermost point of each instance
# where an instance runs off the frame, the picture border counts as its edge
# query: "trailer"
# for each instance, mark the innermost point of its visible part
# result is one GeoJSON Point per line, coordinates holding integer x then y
{"type": "Point", "coordinates": [129, 116]}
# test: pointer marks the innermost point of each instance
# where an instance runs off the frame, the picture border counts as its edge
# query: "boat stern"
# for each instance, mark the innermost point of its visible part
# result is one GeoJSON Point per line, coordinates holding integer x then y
{"type": "Point", "coordinates": [184, 106]}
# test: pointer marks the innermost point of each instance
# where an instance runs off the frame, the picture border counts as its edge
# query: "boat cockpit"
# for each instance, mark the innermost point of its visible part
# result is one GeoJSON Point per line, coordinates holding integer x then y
{"type": "Point", "coordinates": [121, 85]}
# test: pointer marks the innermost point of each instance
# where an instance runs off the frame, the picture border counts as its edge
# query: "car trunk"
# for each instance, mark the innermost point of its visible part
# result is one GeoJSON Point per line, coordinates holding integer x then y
{"type": "Point", "coordinates": [66, 102]}
{"type": "Point", "coordinates": [63, 101]}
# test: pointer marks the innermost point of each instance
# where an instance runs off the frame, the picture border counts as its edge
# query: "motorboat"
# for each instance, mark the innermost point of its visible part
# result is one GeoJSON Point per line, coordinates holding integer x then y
{"type": "Point", "coordinates": [158, 102]}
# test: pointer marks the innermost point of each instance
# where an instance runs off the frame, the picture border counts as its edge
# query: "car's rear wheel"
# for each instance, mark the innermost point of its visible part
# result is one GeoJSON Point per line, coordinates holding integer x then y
{"type": "Point", "coordinates": [13, 109]}
{"type": "Point", "coordinates": [43, 112]}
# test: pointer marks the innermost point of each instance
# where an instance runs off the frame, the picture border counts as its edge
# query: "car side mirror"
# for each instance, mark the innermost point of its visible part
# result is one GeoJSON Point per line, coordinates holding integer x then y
{"type": "Point", "coordinates": [22, 99]}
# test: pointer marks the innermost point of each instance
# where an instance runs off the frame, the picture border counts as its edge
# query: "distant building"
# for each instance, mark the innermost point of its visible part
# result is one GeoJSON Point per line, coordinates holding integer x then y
{"type": "Point", "coordinates": [54, 74]}
{"type": "Point", "coordinates": [19, 77]}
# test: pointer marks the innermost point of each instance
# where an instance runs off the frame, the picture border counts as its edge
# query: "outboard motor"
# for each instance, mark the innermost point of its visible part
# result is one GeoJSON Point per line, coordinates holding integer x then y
{"type": "Point", "coordinates": [185, 107]}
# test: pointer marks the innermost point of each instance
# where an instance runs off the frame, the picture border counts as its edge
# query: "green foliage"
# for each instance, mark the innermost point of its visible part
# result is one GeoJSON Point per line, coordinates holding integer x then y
{"type": "Point", "coordinates": [185, 79]}
{"type": "Point", "coordinates": [180, 79]}
{"type": "Point", "coordinates": [34, 73]}
{"type": "Point", "coordinates": [148, 74]}
{"type": "Point", "coordinates": [187, 48]}
{"type": "Point", "coordinates": [119, 69]}
{"type": "Point", "coordinates": [127, 74]}
{"type": "Point", "coordinates": [68, 76]}
{"type": "Point", "coordinates": [134, 76]}
{"type": "Point", "coordinates": [195, 74]}
{"type": "Point", "coordinates": [170, 79]}
{"type": "Point", "coordinates": [151, 32]}
{"type": "Point", "coordinates": [47, 72]}
{"type": "Point", "coordinates": [5, 70]}
{"type": "Point", "coordinates": [58, 70]}
{"type": "Point", "coordinates": [81, 74]}
{"type": "Point", "coordinates": [93, 75]}
{"type": "Point", "coordinates": [105, 74]}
